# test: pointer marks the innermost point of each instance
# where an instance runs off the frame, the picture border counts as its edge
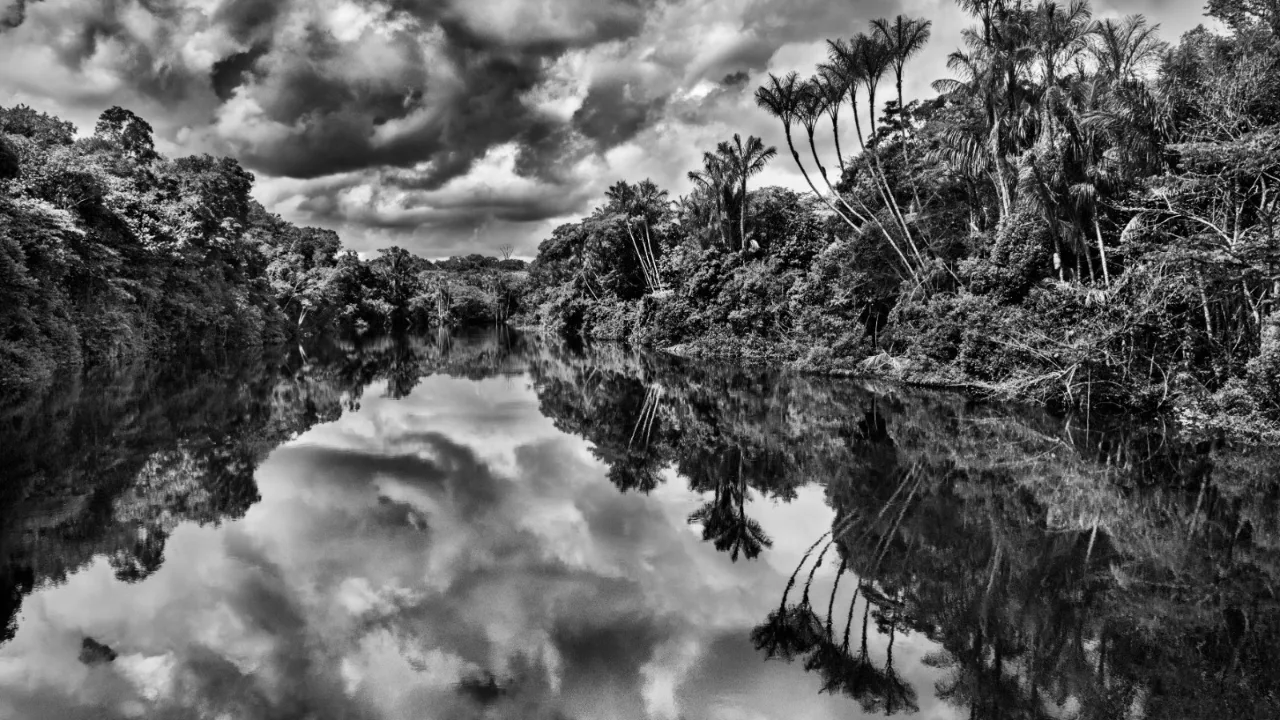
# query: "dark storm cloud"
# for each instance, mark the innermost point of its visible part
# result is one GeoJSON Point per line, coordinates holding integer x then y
{"type": "Point", "coordinates": [614, 112]}
{"type": "Point", "coordinates": [427, 84]}
{"type": "Point", "coordinates": [14, 14]}
{"type": "Point", "coordinates": [232, 71]}
{"type": "Point", "coordinates": [250, 21]}
{"type": "Point", "coordinates": [373, 108]}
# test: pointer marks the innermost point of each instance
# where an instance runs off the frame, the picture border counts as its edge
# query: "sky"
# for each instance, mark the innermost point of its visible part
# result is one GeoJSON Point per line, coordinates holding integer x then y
{"type": "Point", "coordinates": [451, 126]}
{"type": "Point", "coordinates": [416, 544]}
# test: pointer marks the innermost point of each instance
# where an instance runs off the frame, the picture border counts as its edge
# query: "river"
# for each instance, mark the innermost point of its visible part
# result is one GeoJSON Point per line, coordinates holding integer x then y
{"type": "Point", "coordinates": [498, 525]}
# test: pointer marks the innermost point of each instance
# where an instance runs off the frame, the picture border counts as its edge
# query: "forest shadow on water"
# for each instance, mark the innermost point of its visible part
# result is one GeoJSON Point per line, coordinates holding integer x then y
{"type": "Point", "coordinates": [502, 525]}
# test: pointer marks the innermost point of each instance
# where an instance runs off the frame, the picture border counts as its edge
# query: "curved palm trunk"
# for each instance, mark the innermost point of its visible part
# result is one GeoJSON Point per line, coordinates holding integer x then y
{"type": "Point", "coordinates": [835, 133]}
{"type": "Point", "coordinates": [848, 621]}
{"type": "Point", "coordinates": [795, 573]}
{"type": "Point", "coordinates": [796, 156]}
{"type": "Point", "coordinates": [653, 260]}
{"type": "Point", "coordinates": [813, 148]}
{"type": "Point", "coordinates": [644, 266]}
{"type": "Point", "coordinates": [887, 192]}
{"type": "Point", "coordinates": [885, 197]}
{"type": "Point", "coordinates": [720, 215]}
{"type": "Point", "coordinates": [1102, 249]}
{"type": "Point", "coordinates": [861, 218]}
{"type": "Point", "coordinates": [1002, 185]}
{"type": "Point", "coordinates": [831, 604]}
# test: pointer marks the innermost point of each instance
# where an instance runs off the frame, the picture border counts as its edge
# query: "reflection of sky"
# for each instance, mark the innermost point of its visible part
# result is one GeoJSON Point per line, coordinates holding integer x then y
{"type": "Point", "coordinates": [419, 544]}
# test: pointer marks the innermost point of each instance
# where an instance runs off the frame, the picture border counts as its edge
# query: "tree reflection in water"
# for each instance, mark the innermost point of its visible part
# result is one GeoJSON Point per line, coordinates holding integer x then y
{"type": "Point", "coordinates": [1108, 570]}
{"type": "Point", "coordinates": [1056, 570]}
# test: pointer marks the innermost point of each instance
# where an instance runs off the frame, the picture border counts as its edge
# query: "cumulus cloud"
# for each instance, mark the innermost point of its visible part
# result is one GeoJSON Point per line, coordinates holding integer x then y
{"type": "Point", "coordinates": [441, 125]}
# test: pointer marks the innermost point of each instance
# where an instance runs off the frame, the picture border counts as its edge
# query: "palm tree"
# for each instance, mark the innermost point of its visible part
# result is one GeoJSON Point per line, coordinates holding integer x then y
{"type": "Point", "coordinates": [705, 201]}
{"type": "Point", "coordinates": [874, 58]}
{"type": "Point", "coordinates": [810, 108]}
{"type": "Point", "coordinates": [640, 200]}
{"type": "Point", "coordinates": [979, 79]}
{"type": "Point", "coordinates": [745, 161]}
{"type": "Point", "coordinates": [1123, 48]}
{"type": "Point", "coordinates": [904, 38]}
{"type": "Point", "coordinates": [716, 176]}
{"type": "Point", "coordinates": [833, 86]}
{"type": "Point", "coordinates": [848, 62]}
{"type": "Point", "coordinates": [650, 203]}
{"type": "Point", "coordinates": [781, 98]}
{"type": "Point", "coordinates": [724, 520]}
{"type": "Point", "coordinates": [1060, 36]}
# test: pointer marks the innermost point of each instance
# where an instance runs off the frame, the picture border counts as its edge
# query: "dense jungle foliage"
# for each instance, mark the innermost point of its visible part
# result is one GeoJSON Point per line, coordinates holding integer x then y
{"type": "Point", "coordinates": [109, 251]}
{"type": "Point", "coordinates": [1062, 570]}
{"type": "Point", "coordinates": [1084, 215]}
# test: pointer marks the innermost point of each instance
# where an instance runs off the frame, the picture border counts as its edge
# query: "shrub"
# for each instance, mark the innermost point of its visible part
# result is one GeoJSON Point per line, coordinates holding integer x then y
{"type": "Point", "coordinates": [611, 320]}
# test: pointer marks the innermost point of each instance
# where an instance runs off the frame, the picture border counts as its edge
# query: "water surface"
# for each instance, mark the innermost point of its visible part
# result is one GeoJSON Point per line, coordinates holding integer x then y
{"type": "Point", "coordinates": [499, 526]}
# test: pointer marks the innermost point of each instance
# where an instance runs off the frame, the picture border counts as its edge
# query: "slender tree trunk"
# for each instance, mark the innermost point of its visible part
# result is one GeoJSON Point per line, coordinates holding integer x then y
{"type": "Point", "coordinates": [644, 266]}
{"type": "Point", "coordinates": [873, 219]}
{"type": "Point", "coordinates": [871, 99]}
{"type": "Point", "coordinates": [1102, 250]}
{"type": "Point", "coordinates": [885, 197]}
{"type": "Point", "coordinates": [742, 215]}
{"type": "Point", "coordinates": [653, 260]}
{"type": "Point", "coordinates": [827, 181]}
{"type": "Point", "coordinates": [796, 156]}
{"type": "Point", "coordinates": [1002, 186]}
{"type": "Point", "coordinates": [835, 132]}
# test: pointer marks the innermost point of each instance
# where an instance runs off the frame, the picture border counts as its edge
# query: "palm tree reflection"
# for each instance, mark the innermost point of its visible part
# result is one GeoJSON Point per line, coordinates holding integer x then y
{"type": "Point", "coordinates": [725, 523]}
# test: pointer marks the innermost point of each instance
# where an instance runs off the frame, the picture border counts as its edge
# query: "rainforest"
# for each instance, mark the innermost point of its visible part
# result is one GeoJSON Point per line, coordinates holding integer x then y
{"type": "Point", "coordinates": [1083, 216]}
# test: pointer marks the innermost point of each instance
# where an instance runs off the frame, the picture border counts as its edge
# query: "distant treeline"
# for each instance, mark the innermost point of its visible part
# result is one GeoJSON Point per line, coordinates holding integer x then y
{"type": "Point", "coordinates": [1083, 215]}
{"type": "Point", "coordinates": [109, 250]}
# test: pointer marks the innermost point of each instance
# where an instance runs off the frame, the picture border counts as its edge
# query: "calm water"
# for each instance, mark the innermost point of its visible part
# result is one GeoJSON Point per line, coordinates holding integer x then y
{"type": "Point", "coordinates": [497, 526]}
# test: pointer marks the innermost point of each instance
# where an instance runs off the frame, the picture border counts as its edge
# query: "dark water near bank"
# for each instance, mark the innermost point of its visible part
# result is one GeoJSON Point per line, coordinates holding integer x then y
{"type": "Point", "coordinates": [498, 526]}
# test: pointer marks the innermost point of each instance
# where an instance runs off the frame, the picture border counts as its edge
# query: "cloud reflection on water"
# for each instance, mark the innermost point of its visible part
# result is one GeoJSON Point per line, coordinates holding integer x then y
{"type": "Point", "coordinates": [448, 555]}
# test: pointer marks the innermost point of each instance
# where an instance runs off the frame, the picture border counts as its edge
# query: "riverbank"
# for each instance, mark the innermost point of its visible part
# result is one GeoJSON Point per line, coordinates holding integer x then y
{"type": "Point", "coordinates": [1190, 408]}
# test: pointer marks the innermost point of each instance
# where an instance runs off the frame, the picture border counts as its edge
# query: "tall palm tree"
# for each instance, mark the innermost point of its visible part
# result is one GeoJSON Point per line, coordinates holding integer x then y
{"type": "Point", "coordinates": [1061, 34]}
{"type": "Point", "coordinates": [719, 180]}
{"type": "Point", "coordinates": [705, 201]}
{"type": "Point", "coordinates": [904, 38]}
{"type": "Point", "coordinates": [979, 78]}
{"type": "Point", "coordinates": [650, 203]}
{"type": "Point", "coordinates": [811, 106]}
{"type": "Point", "coordinates": [781, 98]}
{"type": "Point", "coordinates": [833, 86]}
{"type": "Point", "coordinates": [626, 201]}
{"type": "Point", "coordinates": [745, 160]}
{"type": "Point", "coordinates": [847, 59]}
{"type": "Point", "coordinates": [874, 58]}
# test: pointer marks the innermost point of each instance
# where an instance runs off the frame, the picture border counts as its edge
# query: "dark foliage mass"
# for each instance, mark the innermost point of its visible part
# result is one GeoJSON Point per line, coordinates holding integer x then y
{"type": "Point", "coordinates": [1084, 215]}
{"type": "Point", "coordinates": [109, 251]}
